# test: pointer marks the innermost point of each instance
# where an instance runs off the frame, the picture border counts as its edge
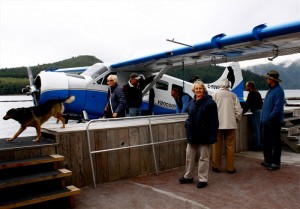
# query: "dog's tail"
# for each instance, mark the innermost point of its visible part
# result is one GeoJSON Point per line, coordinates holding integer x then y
{"type": "Point", "coordinates": [70, 99]}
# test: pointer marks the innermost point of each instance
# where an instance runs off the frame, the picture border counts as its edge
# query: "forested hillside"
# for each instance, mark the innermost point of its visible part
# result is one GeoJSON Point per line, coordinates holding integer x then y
{"type": "Point", "coordinates": [211, 73]}
{"type": "Point", "coordinates": [21, 72]}
{"type": "Point", "coordinates": [289, 73]}
{"type": "Point", "coordinates": [12, 80]}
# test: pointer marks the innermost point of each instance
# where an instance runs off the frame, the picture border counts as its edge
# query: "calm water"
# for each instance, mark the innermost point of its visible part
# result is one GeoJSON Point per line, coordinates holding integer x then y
{"type": "Point", "coordinates": [9, 127]}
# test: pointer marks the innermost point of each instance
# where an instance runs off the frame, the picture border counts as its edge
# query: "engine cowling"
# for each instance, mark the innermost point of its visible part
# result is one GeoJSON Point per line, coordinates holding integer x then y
{"type": "Point", "coordinates": [55, 85]}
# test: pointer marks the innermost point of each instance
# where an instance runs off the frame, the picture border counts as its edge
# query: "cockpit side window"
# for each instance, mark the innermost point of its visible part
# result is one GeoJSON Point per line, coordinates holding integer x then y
{"type": "Point", "coordinates": [99, 81]}
{"type": "Point", "coordinates": [95, 70]}
{"type": "Point", "coordinates": [163, 85]}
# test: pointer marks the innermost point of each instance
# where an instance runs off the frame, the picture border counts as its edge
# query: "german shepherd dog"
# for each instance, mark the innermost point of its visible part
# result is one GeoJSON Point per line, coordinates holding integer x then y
{"type": "Point", "coordinates": [37, 115]}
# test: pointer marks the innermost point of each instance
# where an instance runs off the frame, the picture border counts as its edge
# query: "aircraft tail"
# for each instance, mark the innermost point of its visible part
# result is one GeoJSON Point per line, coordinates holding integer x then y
{"type": "Point", "coordinates": [238, 87]}
{"type": "Point", "coordinates": [233, 73]}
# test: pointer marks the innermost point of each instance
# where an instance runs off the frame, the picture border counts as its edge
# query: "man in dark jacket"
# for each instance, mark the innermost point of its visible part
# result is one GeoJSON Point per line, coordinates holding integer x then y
{"type": "Point", "coordinates": [133, 93]}
{"type": "Point", "coordinates": [254, 103]}
{"type": "Point", "coordinates": [116, 99]}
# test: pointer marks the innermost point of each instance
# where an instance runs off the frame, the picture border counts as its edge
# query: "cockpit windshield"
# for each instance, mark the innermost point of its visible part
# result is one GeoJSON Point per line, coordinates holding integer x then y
{"type": "Point", "coordinates": [95, 70]}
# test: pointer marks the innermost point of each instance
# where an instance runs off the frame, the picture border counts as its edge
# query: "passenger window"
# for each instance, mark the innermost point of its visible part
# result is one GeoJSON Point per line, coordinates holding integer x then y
{"type": "Point", "coordinates": [180, 88]}
{"type": "Point", "coordinates": [163, 85]}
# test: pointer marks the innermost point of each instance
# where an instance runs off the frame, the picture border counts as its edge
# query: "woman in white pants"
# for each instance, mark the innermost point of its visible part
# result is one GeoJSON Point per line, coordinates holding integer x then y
{"type": "Point", "coordinates": [201, 132]}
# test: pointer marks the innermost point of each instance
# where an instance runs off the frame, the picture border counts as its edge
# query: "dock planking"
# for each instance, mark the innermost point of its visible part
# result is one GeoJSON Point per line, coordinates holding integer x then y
{"type": "Point", "coordinates": [121, 133]}
{"type": "Point", "coordinates": [72, 143]}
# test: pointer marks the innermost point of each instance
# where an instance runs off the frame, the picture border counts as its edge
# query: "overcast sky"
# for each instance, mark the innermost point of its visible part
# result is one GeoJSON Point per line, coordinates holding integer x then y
{"type": "Point", "coordinates": [36, 32]}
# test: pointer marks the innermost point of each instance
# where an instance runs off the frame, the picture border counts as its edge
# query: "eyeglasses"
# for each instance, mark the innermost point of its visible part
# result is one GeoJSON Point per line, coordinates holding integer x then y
{"type": "Point", "coordinates": [109, 80]}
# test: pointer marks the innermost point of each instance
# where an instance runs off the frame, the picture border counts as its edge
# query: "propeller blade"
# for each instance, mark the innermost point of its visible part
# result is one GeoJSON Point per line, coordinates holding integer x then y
{"type": "Point", "coordinates": [33, 90]}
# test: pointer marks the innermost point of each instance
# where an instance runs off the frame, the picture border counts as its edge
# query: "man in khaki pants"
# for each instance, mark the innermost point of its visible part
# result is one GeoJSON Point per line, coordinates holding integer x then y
{"type": "Point", "coordinates": [229, 113]}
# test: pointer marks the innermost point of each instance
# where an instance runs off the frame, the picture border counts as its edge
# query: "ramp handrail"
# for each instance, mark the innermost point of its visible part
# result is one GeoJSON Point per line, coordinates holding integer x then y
{"type": "Point", "coordinates": [91, 152]}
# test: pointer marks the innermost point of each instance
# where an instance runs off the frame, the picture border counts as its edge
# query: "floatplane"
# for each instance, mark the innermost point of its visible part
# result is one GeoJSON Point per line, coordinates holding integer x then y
{"type": "Point", "coordinates": [90, 86]}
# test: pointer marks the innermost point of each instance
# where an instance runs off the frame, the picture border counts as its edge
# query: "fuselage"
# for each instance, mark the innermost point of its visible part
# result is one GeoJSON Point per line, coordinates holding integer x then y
{"type": "Point", "coordinates": [90, 90]}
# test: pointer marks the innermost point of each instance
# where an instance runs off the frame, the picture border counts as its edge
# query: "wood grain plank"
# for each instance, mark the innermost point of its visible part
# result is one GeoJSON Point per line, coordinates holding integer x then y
{"type": "Point", "coordinates": [135, 157]}
{"type": "Point", "coordinates": [113, 157]}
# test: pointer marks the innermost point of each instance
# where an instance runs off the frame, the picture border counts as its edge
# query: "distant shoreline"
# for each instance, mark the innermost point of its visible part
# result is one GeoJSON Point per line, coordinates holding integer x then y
{"type": "Point", "coordinates": [16, 100]}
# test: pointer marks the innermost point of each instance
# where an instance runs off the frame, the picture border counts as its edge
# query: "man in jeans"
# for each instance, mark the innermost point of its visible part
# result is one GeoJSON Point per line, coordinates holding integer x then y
{"type": "Point", "coordinates": [271, 121]}
{"type": "Point", "coordinates": [133, 93]}
{"type": "Point", "coordinates": [254, 103]}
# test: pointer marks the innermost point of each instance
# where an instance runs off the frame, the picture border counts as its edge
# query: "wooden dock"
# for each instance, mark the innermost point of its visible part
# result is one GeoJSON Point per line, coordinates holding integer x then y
{"type": "Point", "coordinates": [119, 148]}
{"type": "Point", "coordinates": [158, 141]}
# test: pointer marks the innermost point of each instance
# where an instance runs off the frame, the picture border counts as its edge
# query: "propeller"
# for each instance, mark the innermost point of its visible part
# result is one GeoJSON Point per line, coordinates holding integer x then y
{"type": "Point", "coordinates": [31, 88]}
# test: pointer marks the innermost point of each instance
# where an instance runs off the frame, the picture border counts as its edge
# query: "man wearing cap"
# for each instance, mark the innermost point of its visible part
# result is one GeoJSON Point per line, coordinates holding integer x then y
{"type": "Point", "coordinates": [271, 122]}
{"type": "Point", "coordinates": [133, 93]}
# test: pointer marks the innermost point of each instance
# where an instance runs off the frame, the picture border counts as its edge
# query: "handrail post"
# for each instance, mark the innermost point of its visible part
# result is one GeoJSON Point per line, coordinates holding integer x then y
{"type": "Point", "coordinates": [153, 148]}
{"type": "Point", "coordinates": [90, 152]}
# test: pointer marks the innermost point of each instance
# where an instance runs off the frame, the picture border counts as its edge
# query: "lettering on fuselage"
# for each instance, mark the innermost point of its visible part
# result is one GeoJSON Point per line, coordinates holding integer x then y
{"type": "Point", "coordinates": [166, 104]}
{"type": "Point", "coordinates": [209, 86]}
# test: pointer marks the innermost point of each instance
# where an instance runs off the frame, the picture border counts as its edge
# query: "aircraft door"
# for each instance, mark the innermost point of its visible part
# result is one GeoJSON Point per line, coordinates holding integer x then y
{"type": "Point", "coordinates": [163, 102]}
{"type": "Point", "coordinates": [148, 103]}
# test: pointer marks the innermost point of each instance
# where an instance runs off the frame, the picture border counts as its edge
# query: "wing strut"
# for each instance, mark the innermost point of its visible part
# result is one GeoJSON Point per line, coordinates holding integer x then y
{"type": "Point", "coordinates": [156, 78]}
{"type": "Point", "coordinates": [183, 71]}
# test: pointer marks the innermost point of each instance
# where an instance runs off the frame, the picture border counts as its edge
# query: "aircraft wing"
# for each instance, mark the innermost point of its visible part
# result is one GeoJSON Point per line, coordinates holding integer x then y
{"type": "Point", "coordinates": [262, 42]}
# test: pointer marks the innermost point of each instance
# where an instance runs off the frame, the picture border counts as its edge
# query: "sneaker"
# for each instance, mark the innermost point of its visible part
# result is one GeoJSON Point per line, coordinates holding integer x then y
{"type": "Point", "coordinates": [256, 149]}
{"type": "Point", "coordinates": [201, 185]}
{"type": "Point", "coordinates": [231, 172]}
{"type": "Point", "coordinates": [265, 164]}
{"type": "Point", "coordinates": [273, 167]}
{"type": "Point", "coordinates": [217, 170]}
{"type": "Point", "coordinates": [183, 180]}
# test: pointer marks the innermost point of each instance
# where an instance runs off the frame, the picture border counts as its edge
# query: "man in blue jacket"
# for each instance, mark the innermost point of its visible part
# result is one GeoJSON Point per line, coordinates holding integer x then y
{"type": "Point", "coordinates": [116, 102]}
{"type": "Point", "coordinates": [271, 122]}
